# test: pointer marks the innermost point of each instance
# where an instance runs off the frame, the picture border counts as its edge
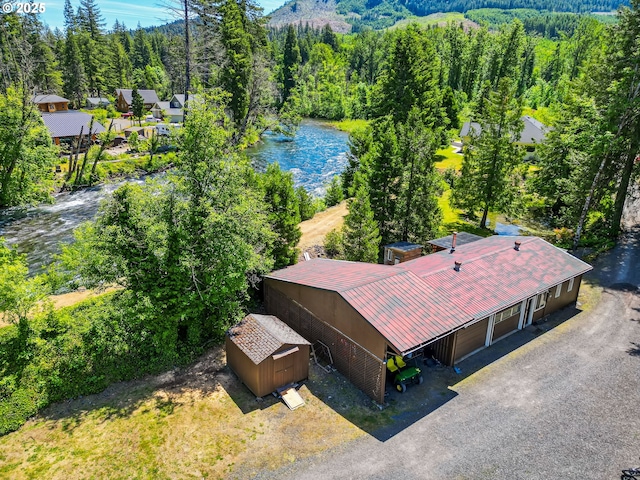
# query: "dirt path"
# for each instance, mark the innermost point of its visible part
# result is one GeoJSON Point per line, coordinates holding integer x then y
{"type": "Point", "coordinates": [71, 298]}
{"type": "Point", "coordinates": [315, 229]}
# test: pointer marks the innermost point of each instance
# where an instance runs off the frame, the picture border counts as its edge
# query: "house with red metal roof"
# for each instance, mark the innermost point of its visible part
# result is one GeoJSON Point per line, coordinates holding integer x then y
{"type": "Point", "coordinates": [452, 303]}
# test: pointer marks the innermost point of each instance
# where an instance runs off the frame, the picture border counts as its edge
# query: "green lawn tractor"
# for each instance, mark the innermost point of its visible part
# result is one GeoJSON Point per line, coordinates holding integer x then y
{"type": "Point", "coordinates": [403, 375]}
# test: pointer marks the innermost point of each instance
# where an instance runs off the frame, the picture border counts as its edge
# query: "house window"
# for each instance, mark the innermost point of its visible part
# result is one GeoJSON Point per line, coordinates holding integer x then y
{"type": "Point", "coordinates": [558, 290]}
{"type": "Point", "coordinates": [541, 300]}
{"type": "Point", "coordinates": [389, 254]}
{"type": "Point", "coordinates": [508, 313]}
{"type": "Point", "coordinates": [570, 287]}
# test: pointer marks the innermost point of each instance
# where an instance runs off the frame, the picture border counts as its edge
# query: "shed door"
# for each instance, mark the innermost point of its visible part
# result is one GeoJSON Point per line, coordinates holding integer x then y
{"type": "Point", "coordinates": [283, 370]}
{"type": "Point", "coordinates": [471, 338]}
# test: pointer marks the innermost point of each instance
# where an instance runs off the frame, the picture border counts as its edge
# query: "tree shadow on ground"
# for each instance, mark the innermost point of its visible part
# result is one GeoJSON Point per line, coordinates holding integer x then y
{"type": "Point", "coordinates": [634, 351]}
{"type": "Point", "coordinates": [401, 410]}
{"type": "Point", "coordinates": [164, 393]}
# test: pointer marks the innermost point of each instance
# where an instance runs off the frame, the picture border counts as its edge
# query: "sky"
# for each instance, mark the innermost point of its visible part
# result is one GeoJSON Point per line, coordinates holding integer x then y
{"type": "Point", "coordinates": [147, 12]}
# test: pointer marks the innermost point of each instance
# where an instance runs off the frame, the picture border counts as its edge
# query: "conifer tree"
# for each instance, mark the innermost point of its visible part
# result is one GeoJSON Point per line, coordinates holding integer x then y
{"type": "Point", "coordinates": [75, 83]}
{"type": "Point", "coordinates": [492, 155]}
{"type": "Point", "coordinates": [236, 74]}
{"type": "Point", "coordinates": [283, 212]}
{"type": "Point", "coordinates": [137, 105]}
{"type": "Point", "coordinates": [360, 234]}
{"type": "Point", "coordinates": [291, 62]}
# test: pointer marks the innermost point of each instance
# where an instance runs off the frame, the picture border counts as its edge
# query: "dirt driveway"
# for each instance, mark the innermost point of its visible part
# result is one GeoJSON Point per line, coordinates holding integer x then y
{"type": "Point", "coordinates": [556, 401]}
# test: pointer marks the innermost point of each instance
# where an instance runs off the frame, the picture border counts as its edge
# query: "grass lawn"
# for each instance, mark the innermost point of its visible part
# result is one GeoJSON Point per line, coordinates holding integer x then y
{"type": "Point", "coordinates": [452, 220]}
{"type": "Point", "coordinates": [447, 158]}
{"type": "Point", "coordinates": [200, 422]}
{"type": "Point", "coordinates": [349, 125]}
{"type": "Point", "coordinates": [429, 20]}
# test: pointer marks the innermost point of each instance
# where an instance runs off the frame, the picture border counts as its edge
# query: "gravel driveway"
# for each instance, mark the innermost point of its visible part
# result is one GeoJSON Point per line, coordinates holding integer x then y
{"type": "Point", "coordinates": [564, 404]}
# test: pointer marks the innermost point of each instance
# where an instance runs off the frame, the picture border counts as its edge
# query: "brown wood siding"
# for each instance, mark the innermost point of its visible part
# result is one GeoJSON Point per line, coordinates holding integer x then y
{"type": "Point", "coordinates": [331, 308]}
{"type": "Point", "coordinates": [123, 106]}
{"type": "Point", "coordinates": [363, 368]}
{"type": "Point", "coordinates": [508, 325]}
{"type": "Point", "coordinates": [243, 367]}
{"type": "Point", "coordinates": [443, 349]}
{"type": "Point", "coordinates": [566, 298]}
{"type": "Point", "coordinates": [470, 338]}
{"type": "Point", "coordinates": [270, 374]}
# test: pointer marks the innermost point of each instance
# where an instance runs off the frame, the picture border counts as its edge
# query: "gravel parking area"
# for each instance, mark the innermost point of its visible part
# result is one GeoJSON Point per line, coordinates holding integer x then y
{"type": "Point", "coordinates": [560, 400]}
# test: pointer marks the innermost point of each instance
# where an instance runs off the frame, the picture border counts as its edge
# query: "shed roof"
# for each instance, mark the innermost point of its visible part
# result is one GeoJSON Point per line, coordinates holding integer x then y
{"type": "Point", "coordinates": [149, 96]}
{"type": "Point", "coordinates": [48, 98]}
{"type": "Point", "coordinates": [532, 132]}
{"type": "Point", "coordinates": [68, 123]}
{"type": "Point", "coordinates": [462, 238]}
{"type": "Point", "coordinates": [259, 336]}
{"type": "Point", "coordinates": [416, 302]}
{"type": "Point", "coordinates": [98, 100]}
{"type": "Point", "coordinates": [404, 246]}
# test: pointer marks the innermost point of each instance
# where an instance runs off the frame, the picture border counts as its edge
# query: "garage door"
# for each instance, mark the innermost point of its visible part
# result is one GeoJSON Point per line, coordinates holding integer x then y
{"type": "Point", "coordinates": [471, 338]}
{"type": "Point", "coordinates": [506, 326]}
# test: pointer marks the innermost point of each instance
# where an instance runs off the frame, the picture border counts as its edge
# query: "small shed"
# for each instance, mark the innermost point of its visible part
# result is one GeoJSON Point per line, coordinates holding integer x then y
{"type": "Point", "coordinates": [400, 252]}
{"type": "Point", "coordinates": [266, 354]}
{"type": "Point", "coordinates": [450, 242]}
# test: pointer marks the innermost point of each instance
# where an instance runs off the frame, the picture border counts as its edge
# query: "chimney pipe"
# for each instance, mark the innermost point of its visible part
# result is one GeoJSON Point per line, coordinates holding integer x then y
{"type": "Point", "coordinates": [453, 242]}
{"type": "Point", "coordinates": [457, 265]}
{"type": "Point", "coordinates": [516, 247]}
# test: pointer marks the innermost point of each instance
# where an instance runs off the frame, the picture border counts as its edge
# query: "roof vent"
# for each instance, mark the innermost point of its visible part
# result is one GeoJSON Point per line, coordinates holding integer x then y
{"type": "Point", "coordinates": [453, 242]}
{"type": "Point", "coordinates": [516, 247]}
{"type": "Point", "coordinates": [457, 266]}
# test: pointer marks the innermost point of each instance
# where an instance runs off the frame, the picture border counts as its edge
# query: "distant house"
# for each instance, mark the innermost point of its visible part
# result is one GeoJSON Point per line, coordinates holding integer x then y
{"type": "Point", "coordinates": [266, 354]}
{"type": "Point", "coordinates": [167, 113]}
{"type": "Point", "coordinates": [95, 102]}
{"type": "Point", "coordinates": [399, 252]}
{"type": "Point", "coordinates": [124, 98]}
{"type": "Point", "coordinates": [51, 103]}
{"type": "Point", "coordinates": [533, 133]}
{"type": "Point", "coordinates": [65, 126]}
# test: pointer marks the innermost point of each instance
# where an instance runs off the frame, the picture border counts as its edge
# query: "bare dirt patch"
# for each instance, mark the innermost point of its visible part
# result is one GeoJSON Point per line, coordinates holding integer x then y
{"type": "Point", "coordinates": [315, 229]}
{"type": "Point", "coordinates": [71, 298]}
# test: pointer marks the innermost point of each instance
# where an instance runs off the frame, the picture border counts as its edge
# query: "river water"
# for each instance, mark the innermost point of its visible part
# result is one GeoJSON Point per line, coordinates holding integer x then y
{"type": "Point", "coordinates": [316, 154]}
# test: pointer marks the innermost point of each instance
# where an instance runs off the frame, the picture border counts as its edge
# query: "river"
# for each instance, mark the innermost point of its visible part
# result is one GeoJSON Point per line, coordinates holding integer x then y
{"type": "Point", "coordinates": [317, 152]}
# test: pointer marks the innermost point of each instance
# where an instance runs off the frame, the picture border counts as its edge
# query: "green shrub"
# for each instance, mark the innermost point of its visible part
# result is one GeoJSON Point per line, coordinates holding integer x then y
{"type": "Point", "coordinates": [334, 193]}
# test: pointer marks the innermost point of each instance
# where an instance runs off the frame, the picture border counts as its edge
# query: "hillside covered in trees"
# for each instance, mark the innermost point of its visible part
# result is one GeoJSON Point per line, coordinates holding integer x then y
{"type": "Point", "coordinates": [379, 14]}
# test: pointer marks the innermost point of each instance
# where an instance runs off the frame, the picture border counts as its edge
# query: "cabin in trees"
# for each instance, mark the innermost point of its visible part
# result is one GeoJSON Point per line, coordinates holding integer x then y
{"type": "Point", "coordinates": [449, 304]}
{"type": "Point", "coordinates": [266, 354]}
{"type": "Point", "coordinates": [533, 133]}
{"type": "Point", "coordinates": [173, 110]}
{"type": "Point", "coordinates": [65, 126]}
{"type": "Point", "coordinates": [124, 99]}
{"type": "Point", "coordinates": [51, 103]}
{"type": "Point", "coordinates": [164, 111]}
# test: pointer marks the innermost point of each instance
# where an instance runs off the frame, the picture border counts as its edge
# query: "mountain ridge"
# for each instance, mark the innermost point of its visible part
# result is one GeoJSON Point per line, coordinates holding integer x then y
{"type": "Point", "coordinates": [353, 15]}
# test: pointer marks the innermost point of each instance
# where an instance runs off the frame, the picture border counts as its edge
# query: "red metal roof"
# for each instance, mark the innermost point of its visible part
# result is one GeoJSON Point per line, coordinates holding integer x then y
{"type": "Point", "coordinates": [405, 310]}
{"type": "Point", "coordinates": [418, 301]}
{"type": "Point", "coordinates": [494, 275]}
{"type": "Point", "coordinates": [333, 274]}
